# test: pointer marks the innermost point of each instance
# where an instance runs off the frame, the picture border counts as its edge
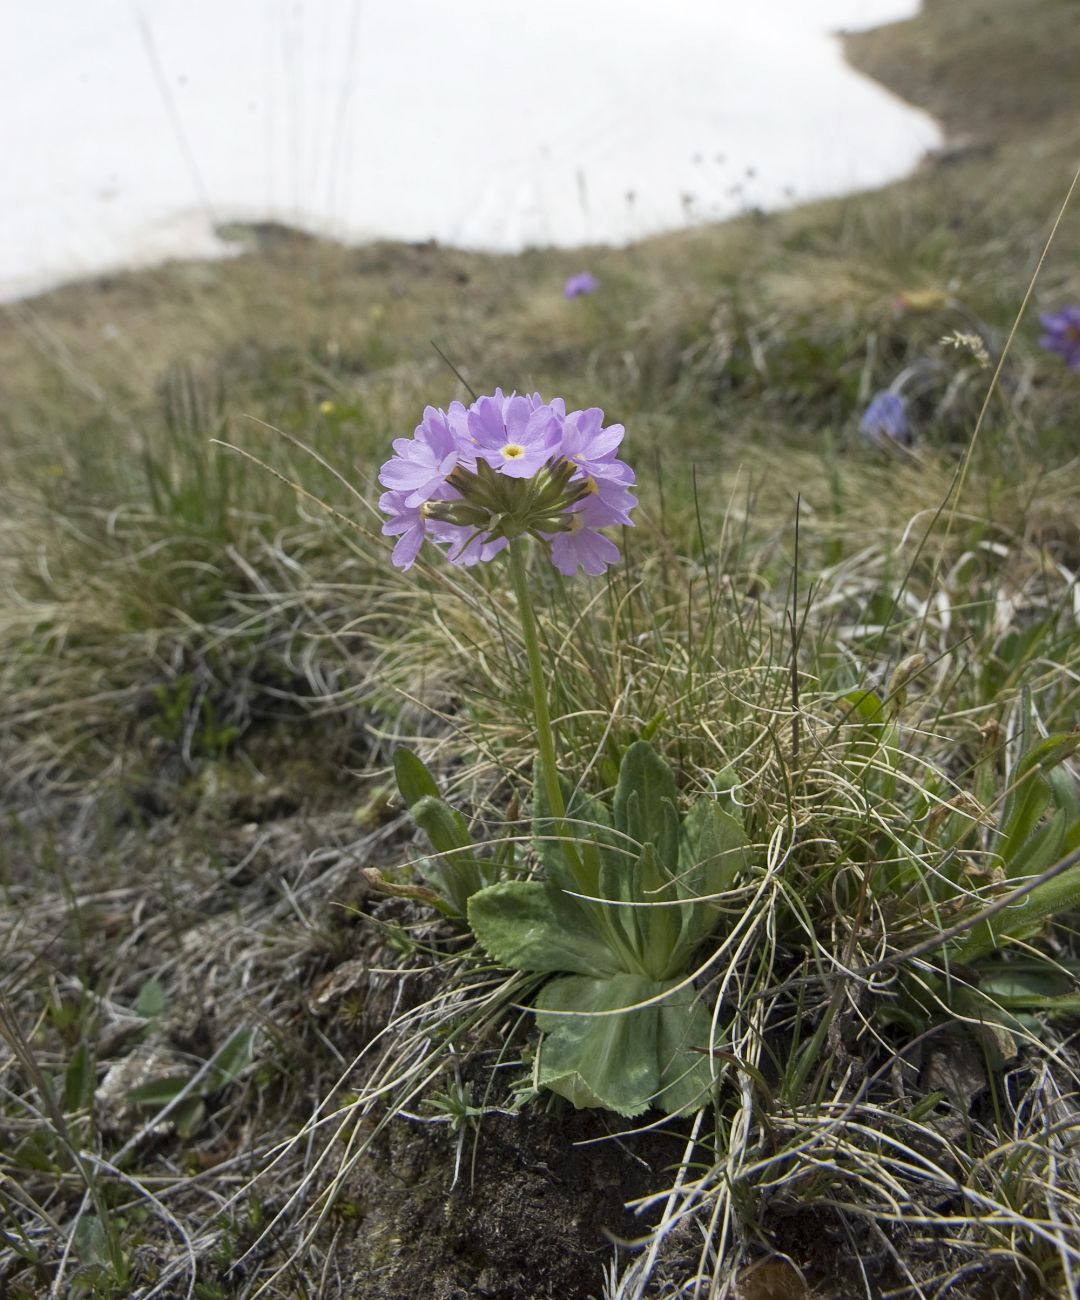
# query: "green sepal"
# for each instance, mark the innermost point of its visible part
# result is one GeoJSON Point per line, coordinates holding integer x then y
{"type": "Point", "coordinates": [534, 926]}
{"type": "Point", "coordinates": [414, 781]}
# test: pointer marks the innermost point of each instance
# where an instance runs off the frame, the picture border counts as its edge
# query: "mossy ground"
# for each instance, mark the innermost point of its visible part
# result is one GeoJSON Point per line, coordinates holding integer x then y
{"type": "Point", "coordinates": [203, 678]}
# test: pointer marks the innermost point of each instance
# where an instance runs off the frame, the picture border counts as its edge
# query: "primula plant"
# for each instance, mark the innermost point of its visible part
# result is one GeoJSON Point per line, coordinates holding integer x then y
{"type": "Point", "coordinates": [629, 890]}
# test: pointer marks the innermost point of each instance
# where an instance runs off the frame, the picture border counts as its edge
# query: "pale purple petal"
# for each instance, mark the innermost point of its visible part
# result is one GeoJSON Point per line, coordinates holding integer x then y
{"type": "Point", "coordinates": [407, 547]}
{"type": "Point", "coordinates": [419, 479]}
{"type": "Point", "coordinates": [457, 417]}
{"type": "Point", "coordinates": [591, 447]}
{"type": "Point", "coordinates": [407, 524]}
{"type": "Point", "coordinates": [610, 503]}
{"type": "Point", "coordinates": [585, 547]}
{"type": "Point", "coordinates": [468, 547]}
{"type": "Point", "coordinates": [435, 431]}
{"type": "Point", "coordinates": [486, 423]}
{"type": "Point", "coordinates": [512, 436]}
{"type": "Point", "coordinates": [424, 462]}
{"type": "Point", "coordinates": [516, 416]}
{"type": "Point", "coordinates": [582, 545]}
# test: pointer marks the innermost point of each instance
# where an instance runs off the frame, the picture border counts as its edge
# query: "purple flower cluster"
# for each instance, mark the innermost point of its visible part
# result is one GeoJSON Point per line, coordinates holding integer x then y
{"type": "Point", "coordinates": [1063, 335]}
{"type": "Point", "coordinates": [582, 283]}
{"type": "Point", "coordinates": [885, 420]}
{"type": "Point", "coordinates": [473, 478]}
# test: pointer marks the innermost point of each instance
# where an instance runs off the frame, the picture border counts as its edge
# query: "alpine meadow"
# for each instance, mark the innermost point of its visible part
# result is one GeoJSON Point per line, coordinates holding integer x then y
{"type": "Point", "coordinates": [555, 776]}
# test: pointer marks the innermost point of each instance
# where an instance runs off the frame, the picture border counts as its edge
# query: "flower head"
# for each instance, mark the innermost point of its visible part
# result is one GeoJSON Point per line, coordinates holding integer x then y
{"type": "Point", "coordinates": [508, 466]}
{"type": "Point", "coordinates": [1063, 335]}
{"type": "Point", "coordinates": [885, 420]}
{"type": "Point", "coordinates": [582, 283]}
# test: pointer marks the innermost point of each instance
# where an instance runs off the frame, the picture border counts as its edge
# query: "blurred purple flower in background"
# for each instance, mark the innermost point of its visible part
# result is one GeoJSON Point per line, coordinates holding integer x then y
{"type": "Point", "coordinates": [509, 466]}
{"type": "Point", "coordinates": [1063, 335]}
{"type": "Point", "coordinates": [576, 285]}
{"type": "Point", "coordinates": [885, 420]}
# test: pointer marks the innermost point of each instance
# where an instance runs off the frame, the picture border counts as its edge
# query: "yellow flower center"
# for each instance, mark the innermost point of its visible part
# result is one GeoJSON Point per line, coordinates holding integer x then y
{"type": "Point", "coordinates": [513, 451]}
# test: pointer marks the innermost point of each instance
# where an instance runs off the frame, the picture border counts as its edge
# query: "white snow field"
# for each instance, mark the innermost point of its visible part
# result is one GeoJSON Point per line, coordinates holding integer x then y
{"type": "Point", "coordinates": [130, 128]}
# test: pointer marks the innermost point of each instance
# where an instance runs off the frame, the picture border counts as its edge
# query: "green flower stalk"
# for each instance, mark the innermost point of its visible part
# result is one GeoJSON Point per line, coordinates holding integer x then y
{"type": "Point", "coordinates": [545, 734]}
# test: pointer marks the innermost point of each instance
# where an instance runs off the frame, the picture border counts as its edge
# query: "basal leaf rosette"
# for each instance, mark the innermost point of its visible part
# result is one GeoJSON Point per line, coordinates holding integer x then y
{"type": "Point", "coordinates": [612, 1038]}
{"type": "Point", "coordinates": [472, 479]}
{"type": "Point", "coordinates": [623, 1025]}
